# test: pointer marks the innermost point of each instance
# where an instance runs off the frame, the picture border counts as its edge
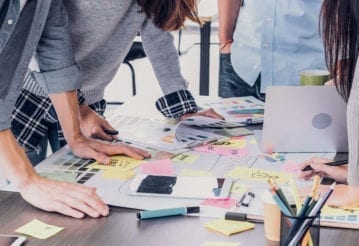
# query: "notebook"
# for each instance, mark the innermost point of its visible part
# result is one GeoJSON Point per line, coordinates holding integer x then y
{"type": "Point", "coordinates": [304, 119]}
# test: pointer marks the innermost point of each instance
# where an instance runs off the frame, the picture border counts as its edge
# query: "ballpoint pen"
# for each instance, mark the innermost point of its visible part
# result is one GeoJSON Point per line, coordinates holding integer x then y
{"type": "Point", "coordinates": [333, 163]}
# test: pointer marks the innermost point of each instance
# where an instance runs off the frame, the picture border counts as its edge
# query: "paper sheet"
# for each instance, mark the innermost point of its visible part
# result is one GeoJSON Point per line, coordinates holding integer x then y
{"type": "Point", "coordinates": [219, 243]}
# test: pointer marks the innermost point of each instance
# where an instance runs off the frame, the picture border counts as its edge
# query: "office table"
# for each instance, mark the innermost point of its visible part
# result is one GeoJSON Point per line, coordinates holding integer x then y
{"type": "Point", "coordinates": [123, 228]}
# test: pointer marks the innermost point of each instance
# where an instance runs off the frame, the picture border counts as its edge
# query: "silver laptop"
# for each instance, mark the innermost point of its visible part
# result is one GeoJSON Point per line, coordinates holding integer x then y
{"type": "Point", "coordinates": [304, 119]}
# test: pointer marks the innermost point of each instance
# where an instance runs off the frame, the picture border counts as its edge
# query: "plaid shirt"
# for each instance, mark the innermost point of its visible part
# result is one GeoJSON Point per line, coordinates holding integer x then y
{"type": "Point", "coordinates": [33, 114]}
{"type": "Point", "coordinates": [176, 104]}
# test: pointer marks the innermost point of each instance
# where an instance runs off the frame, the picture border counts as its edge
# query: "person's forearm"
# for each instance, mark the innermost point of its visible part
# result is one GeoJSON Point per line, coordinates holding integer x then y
{"type": "Point", "coordinates": [67, 110]}
{"type": "Point", "coordinates": [228, 11]}
{"type": "Point", "coordinates": [13, 161]}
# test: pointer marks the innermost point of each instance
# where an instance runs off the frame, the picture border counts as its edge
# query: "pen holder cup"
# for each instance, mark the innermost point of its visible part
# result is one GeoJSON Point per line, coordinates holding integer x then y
{"type": "Point", "coordinates": [296, 230]}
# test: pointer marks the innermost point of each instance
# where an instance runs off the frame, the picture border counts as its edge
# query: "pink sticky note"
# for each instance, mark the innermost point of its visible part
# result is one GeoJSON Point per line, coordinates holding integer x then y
{"type": "Point", "coordinates": [221, 203]}
{"type": "Point", "coordinates": [291, 167]}
{"type": "Point", "coordinates": [158, 167]}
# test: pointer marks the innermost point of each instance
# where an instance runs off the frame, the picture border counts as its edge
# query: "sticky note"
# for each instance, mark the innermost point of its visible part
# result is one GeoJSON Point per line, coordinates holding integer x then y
{"type": "Point", "coordinates": [219, 243]}
{"type": "Point", "coordinates": [232, 143]}
{"type": "Point", "coordinates": [229, 227]}
{"type": "Point", "coordinates": [39, 229]}
{"type": "Point", "coordinates": [260, 175]}
{"type": "Point", "coordinates": [118, 162]}
{"type": "Point", "coordinates": [186, 158]}
{"type": "Point", "coordinates": [222, 151]}
{"type": "Point", "coordinates": [336, 211]}
{"type": "Point", "coordinates": [291, 167]}
{"type": "Point", "coordinates": [220, 203]}
{"type": "Point", "coordinates": [114, 174]}
{"type": "Point", "coordinates": [194, 173]}
{"type": "Point", "coordinates": [158, 167]}
{"type": "Point", "coordinates": [239, 189]}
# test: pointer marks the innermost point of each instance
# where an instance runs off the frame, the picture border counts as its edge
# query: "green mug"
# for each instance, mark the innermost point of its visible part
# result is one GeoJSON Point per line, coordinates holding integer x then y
{"type": "Point", "coordinates": [314, 77]}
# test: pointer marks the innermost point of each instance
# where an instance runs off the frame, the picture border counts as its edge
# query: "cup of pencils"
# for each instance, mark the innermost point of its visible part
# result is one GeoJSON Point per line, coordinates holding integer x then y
{"type": "Point", "coordinates": [292, 225]}
{"type": "Point", "coordinates": [300, 225]}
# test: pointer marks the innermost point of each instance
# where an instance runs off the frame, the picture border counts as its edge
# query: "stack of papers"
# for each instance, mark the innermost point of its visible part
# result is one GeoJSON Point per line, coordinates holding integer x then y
{"type": "Point", "coordinates": [237, 111]}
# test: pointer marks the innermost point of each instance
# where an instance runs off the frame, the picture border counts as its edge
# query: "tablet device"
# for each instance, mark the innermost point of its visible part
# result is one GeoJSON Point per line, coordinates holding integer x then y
{"type": "Point", "coordinates": [304, 119]}
{"type": "Point", "coordinates": [181, 186]}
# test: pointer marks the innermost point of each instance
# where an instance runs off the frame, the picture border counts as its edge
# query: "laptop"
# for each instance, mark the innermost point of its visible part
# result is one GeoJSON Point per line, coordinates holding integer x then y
{"type": "Point", "coordinates": [304, 119]}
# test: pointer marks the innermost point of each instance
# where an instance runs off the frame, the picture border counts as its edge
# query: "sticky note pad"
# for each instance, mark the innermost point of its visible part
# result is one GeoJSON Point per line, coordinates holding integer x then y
{"type": "Point", "coordinates": [259, 175]}
{"type": "Point", "coordinates": [118, 162]}
{"type": "Point", "coordinates": [39, 229]}
{"type": "Point", "coordinates": [229, 227]}
{"type": "Point", "coordinates": [220, 243]}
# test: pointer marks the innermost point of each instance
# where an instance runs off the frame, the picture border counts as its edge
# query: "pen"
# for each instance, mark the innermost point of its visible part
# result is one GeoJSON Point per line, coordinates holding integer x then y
{"type": "Point", "coordinates": [334, 163]}
{"type": "Point", "coordinates": [159, 213]}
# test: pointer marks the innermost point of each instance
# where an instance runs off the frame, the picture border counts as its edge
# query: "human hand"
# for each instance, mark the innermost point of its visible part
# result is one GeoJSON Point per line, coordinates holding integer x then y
{"type": "Point", "coordinates": [100, 150]}
{"type": "Point", "coordinates": [206, 113]}
{"type": "Point", "coordinates": [344, 196]}
{"type": "Point", "coordinates": [329, 83]}
{"type": "Point", "coordinates": [94, 125]}
{"type": "Point", "coordinates": [338, 173]}
{"type": "Point", "coordinates": [70, 199]}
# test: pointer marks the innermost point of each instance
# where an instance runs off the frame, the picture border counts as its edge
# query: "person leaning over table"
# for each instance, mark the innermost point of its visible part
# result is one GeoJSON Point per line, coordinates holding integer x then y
{"type": "Point", "coordinates": [266, 43]}
{"type": "Point", "coordinates": [102, 34]}
{"type": "Point", "coordinates": [340, 28]}
{"type": "Point", "coordinates": [41, 27]}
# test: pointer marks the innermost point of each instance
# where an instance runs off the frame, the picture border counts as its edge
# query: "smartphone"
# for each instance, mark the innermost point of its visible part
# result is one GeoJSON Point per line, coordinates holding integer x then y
{"type": "Point", "coordinates": [181, 186]}
{"type": "Point", "coordinates": [12, 240]}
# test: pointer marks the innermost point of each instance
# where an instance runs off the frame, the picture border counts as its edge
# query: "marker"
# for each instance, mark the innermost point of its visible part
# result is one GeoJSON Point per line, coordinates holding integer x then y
{"type": "Point", "coordinates": [242, 217]}
{"type": "Point", "coordinates": [159, 213]}
{"type": "Point", "coordinates": [334, 163]}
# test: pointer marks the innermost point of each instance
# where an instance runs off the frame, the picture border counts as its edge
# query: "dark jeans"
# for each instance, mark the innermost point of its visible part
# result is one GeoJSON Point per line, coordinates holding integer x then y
{"type": "Point", "coordinates": [231, 85]}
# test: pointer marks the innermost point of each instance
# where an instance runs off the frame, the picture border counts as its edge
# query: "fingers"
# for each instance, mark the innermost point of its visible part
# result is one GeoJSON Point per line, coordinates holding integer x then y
{"type": "Point", "coordinates": [70, 199]}
{"type": "Point", "coordinates": [85, 199]}
{"type": "Point", "coordinates": [100, 150]}
{"type": "Point", "coordinates": [316, 163]}
{"type": "Point", "coordinates": [213, 114]}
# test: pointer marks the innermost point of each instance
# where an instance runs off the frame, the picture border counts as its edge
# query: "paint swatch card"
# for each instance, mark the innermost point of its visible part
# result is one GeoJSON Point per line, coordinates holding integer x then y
{"type": "Point", "coordinates": [239, 111]}
{"type": "Point", "coordinates": [181, 186]}
{"type": "Point", "coordinates": [167, 137]}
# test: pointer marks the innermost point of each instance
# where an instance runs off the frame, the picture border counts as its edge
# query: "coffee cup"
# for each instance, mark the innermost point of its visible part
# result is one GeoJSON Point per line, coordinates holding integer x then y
{"type": "Point", "coordinates": [314, 77]}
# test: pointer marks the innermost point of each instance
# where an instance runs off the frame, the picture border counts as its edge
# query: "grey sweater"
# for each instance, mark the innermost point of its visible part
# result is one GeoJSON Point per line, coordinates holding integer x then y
{"type": "Point", "coordinates": [353, 130]}
{"type": "Point", "coordinates": [102, 34]}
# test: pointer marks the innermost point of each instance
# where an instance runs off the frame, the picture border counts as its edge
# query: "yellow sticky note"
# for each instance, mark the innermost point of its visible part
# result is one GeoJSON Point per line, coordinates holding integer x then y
{"type": "Point", "coordinates": [194, 173]}
{"type": "Point", "coordinates": [186, 158]}
{"type": "Point", "coordinates": [239, 189]}
{"type": "Point", "coordinates": [118, 162]}
{"type": "Point", "coordinates": [232, 143]}
{"type": "Point", "coordinates": [260, 175]}
{"type": "Point", "coordinates": [229, 227]}
{"type": "Point", "coordinates": [218, 243]}
{"type": "Point", "coordinates": [114, 174]}
{"type": "Point", "coordinates": [337, 211]}
{"type": "Point", "coordinates": [39, 229]}
{"type": "Point", "coordinates": [253, 140]}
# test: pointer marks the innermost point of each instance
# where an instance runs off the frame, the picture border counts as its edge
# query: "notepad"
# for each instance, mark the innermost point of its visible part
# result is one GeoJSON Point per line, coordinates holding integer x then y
{"type": "Point", "coordinates": [229, 227]}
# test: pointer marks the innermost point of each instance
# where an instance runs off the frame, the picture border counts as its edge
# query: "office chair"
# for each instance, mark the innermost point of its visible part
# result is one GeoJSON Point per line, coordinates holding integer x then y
{"type": "Point", "coordinates": [136, 52]}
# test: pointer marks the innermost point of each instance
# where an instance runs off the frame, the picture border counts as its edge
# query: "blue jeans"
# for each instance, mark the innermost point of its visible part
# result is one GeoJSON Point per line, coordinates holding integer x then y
{"type": "Point", "coordinates": [40, 154]}
{"type": "Point", "coordinates": [231, 85]}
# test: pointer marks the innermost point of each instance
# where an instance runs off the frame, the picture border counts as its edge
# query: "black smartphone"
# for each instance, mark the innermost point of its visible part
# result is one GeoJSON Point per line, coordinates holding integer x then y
{"type": "Point", "coordinates": [12, 240]}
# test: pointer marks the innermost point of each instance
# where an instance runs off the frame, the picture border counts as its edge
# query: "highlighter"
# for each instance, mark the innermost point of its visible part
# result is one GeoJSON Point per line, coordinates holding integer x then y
{"type": "Point", "coordinates": [159, 213]}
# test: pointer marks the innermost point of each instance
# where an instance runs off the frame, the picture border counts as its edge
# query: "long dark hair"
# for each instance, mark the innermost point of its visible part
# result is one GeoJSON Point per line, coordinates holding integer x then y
{"type": "Point", "coordinates": [170, 15]}
{"type": "Point", "coordinates": [339, 27]}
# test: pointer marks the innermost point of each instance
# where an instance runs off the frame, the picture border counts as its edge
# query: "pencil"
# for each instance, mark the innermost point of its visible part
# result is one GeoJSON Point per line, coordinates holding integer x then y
{"type": "Point", "coordinates": [333, 163]}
